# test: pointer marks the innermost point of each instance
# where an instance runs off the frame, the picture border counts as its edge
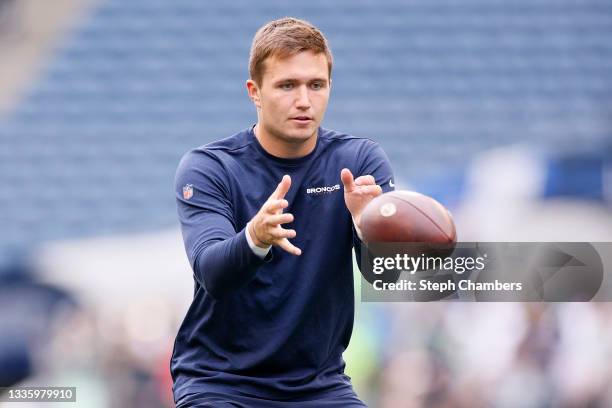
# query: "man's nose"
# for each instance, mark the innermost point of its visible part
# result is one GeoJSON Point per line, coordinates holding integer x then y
{"type": "Point", "coordinates": [303, 98]}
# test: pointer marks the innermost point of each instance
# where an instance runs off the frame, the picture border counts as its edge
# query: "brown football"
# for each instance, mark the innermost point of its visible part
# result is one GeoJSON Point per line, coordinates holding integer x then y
{"type": "Point", "coordinates": [407, 216]}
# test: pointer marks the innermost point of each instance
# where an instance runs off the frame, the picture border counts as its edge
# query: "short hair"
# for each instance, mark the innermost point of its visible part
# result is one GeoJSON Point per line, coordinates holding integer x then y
{"type": "Point", "coordinates": [283, 38]}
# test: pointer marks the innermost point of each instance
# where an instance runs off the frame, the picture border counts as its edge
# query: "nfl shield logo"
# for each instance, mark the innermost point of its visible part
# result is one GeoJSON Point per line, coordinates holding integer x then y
{"type": "Point", "coordinates": [187, 191]}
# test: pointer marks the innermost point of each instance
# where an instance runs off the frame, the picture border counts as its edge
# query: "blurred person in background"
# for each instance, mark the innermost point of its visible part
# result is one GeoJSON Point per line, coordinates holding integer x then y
{"type": "Point", "coordinates": [267, 327]}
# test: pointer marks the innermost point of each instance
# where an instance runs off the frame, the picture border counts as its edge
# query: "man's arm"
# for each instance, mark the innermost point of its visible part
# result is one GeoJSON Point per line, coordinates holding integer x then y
{"type": "Point", "coordinates": [220, 256]}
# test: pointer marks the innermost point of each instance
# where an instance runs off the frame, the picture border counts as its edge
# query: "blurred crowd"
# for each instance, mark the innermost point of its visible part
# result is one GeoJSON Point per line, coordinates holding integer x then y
{"type": "Point", "coordinates": [495, 355]}
{"type": "Point", "coordinates": [114, 360]}
{"type": "Point", "coordinates": [402, 355]}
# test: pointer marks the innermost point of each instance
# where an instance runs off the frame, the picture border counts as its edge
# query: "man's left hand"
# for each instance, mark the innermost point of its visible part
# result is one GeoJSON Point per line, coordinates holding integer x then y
{"type": "Point", "coordinates": [358, 193]}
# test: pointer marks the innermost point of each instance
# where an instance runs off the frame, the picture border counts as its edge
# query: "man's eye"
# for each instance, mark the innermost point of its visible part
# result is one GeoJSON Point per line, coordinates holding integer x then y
{"type": "Point", "coordinates": [316, 85]}
{"type": "Point", "coordinates": [287, 86]}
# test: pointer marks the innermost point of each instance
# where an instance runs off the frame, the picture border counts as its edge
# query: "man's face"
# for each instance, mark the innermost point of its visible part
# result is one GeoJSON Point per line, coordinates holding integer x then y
{"type": "Point", "coordinates": [292, 98]}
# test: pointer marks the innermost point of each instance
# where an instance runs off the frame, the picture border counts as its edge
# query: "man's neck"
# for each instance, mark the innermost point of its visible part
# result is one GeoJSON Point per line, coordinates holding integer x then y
{"type": "Point", "coordinates": [285, 150]}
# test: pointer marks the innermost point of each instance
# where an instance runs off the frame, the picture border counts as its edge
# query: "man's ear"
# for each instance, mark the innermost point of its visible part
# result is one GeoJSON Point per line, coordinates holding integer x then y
{"type": "Point", "coordinates": [253, 91]}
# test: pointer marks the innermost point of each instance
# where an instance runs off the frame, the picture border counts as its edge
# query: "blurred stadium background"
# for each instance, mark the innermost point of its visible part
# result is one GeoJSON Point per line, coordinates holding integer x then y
{"type": "Point", "coordinates": [501, 110]}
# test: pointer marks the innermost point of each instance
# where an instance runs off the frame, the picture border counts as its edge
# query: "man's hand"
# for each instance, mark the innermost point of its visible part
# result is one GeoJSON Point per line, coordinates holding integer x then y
{"type": "Point", "coordinates": [358, 193]}
{"type": "Point", "coordinates": [265, 227]}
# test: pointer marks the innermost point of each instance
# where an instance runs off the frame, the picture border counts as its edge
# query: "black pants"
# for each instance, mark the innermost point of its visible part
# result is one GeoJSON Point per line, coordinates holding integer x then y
{"type": "Point", "coordinates": [213, 400]}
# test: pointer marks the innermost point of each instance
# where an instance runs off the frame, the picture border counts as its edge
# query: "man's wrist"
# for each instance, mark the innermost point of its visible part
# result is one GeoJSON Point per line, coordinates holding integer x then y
{"type": "Point", "coordinates": [258, 250]}
{"type": "Point", "coordinates": [357, 228]}
{"type": "Point", "coordinates": [256, 241]}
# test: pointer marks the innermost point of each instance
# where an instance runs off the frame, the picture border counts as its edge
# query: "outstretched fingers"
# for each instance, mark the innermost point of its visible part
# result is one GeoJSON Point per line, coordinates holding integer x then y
{"type": "Point", "coordinates": [280, 233]}
{"type": "Point", "coordinates": [274, 206]}
{"type": "Point", "coordinates": [282, 218]}
{"type": "Point", "coordinates": [289, 247]}
{"type": "Point", "coordinates": [267, 223]}
{"type": "Point", "coordinates": [347, 180]}
{"type": "Point", "coordinates": [282, 188]}
{"type": "Point", "coordinates": [374, 190]}
{"type": "Point", "coordinates": [365, 180]}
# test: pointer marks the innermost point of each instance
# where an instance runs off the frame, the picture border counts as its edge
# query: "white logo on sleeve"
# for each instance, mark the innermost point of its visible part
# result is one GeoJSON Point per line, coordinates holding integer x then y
{"type": "Point", "coordinates": [323, 189]}
{"type": "Point", "coordinates": [391, 184]}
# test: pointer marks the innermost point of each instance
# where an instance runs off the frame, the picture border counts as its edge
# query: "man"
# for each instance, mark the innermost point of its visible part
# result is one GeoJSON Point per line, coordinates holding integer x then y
{"type": "Point", "coordinates": [269, 234]}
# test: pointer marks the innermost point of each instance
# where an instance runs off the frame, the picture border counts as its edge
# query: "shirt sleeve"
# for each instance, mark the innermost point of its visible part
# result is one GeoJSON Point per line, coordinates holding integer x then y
{"type": "Point", "coordinates": [374, 161]}
{"type": "Point", "coordinates": [219, 254]}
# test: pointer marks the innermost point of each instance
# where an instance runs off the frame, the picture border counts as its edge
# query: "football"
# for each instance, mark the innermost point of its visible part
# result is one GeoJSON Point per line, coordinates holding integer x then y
{"type": "Point", "coordinates": [407, 216]}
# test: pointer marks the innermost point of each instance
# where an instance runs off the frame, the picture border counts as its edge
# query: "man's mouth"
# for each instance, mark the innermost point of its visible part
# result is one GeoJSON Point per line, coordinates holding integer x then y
{"type": "Point", "coordinates": [302, 119]}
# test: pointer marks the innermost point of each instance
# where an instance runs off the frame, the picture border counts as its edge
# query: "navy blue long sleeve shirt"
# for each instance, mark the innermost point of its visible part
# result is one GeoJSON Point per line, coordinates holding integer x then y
{"type": "Point", "coordinates": [272, 328]}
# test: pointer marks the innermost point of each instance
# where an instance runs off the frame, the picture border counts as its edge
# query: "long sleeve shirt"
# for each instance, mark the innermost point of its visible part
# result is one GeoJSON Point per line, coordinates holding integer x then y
{"type": "Point", "coordinates": [272, 327]}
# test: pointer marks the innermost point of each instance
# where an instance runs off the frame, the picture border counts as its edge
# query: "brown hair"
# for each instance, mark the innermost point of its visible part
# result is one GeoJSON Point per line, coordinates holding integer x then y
{"type": "Point", "coordinates": [283, 38]}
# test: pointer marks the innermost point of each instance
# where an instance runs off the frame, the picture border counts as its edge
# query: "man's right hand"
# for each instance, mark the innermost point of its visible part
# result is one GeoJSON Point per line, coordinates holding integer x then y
{"type": "Point", "coordinates": [265, 227]}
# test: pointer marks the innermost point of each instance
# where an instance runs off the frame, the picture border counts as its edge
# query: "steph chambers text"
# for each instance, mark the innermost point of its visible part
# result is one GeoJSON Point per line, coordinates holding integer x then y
{"type": "Point", "coordinates": [447, 286]}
